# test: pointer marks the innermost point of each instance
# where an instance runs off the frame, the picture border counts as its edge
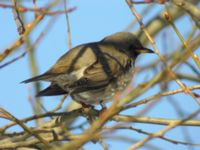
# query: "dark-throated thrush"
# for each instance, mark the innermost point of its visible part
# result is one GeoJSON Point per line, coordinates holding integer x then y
{"type": "Point", "coordinates": [92, 73]}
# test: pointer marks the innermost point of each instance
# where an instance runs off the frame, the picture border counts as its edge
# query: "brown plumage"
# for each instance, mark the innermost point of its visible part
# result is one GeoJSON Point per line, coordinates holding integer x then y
{"type": "Point", "coordinates": [92, 73]}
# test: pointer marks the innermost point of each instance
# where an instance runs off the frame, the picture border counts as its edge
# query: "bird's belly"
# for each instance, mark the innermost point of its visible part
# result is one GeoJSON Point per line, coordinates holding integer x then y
{"type": "Point", "coordinates": [106, 93]}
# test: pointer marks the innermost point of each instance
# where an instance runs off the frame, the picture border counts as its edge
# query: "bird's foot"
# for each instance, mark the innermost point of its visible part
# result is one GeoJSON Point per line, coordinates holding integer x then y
{"type": "Point", "coordinates": [84, 105]}
{"type": "Point", "coordinates": [86, 108]}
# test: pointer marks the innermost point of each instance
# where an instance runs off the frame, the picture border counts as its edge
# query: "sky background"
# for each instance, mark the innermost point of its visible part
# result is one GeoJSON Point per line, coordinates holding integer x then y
{"type": "Point", "coordinates": [91, 21]}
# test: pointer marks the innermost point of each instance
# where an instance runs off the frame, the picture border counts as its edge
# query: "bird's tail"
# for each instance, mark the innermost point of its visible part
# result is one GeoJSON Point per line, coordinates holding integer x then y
{"type": "Point", "coordinates": [52, 90]}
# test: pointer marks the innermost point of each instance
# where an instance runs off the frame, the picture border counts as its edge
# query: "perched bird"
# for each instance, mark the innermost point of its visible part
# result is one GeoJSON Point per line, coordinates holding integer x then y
{"type": "Point", "coordinates": [92, 73]}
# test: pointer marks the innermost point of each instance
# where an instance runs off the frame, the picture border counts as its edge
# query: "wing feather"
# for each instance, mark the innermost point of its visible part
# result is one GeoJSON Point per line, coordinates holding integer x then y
{"type": "Point", "coordinates": [96, 77]}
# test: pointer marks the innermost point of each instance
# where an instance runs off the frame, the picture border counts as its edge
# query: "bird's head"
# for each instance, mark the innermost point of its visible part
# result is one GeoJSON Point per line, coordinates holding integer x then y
{"type": "Point", "coordinates": [128, 42]}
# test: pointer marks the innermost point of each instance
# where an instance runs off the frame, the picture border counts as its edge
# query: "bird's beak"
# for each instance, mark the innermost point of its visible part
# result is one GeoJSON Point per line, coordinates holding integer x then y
{"type": "Point", "coordinates": [145, 50]}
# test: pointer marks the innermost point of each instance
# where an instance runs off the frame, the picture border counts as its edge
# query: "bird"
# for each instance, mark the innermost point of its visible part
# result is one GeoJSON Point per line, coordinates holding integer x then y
{"type": "Point", "coordinates": [93, 73]}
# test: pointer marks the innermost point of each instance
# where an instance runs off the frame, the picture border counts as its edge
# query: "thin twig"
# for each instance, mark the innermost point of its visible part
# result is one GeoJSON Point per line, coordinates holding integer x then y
{"type": "Point", "coordinates": [149, 134]}
{"type": "Point", "coordinates": [162, 132]}
{"type": "Point", "coordinates": [158, 95]}
{"type": "Point", "coordinates": [27, 129]}
{"type": "Point", "coordinates": [170, 20]}
{"type": "Point", "coordinates": [59, 104]}
{"type": "Point", "coordinates": [39, 10]}
{"type": "Point", "coordinates": [13, 60]}
{"type": "Point", "coordinates": [18, 20]}
{"type": "Point", "coordinates": [68, 26]}
{"type": "Point", "coordinates": [171, 73]}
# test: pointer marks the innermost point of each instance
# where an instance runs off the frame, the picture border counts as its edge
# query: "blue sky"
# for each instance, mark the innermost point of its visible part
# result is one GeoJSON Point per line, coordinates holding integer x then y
{"type": "Point", "coordinates": [91, 21]}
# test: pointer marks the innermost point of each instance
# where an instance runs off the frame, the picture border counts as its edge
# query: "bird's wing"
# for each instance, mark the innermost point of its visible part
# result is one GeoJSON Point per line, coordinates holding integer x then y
{"type": "Point", "coordinates": [75, 59]}
{"type": "Point", "coordinates": [108, 66]}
